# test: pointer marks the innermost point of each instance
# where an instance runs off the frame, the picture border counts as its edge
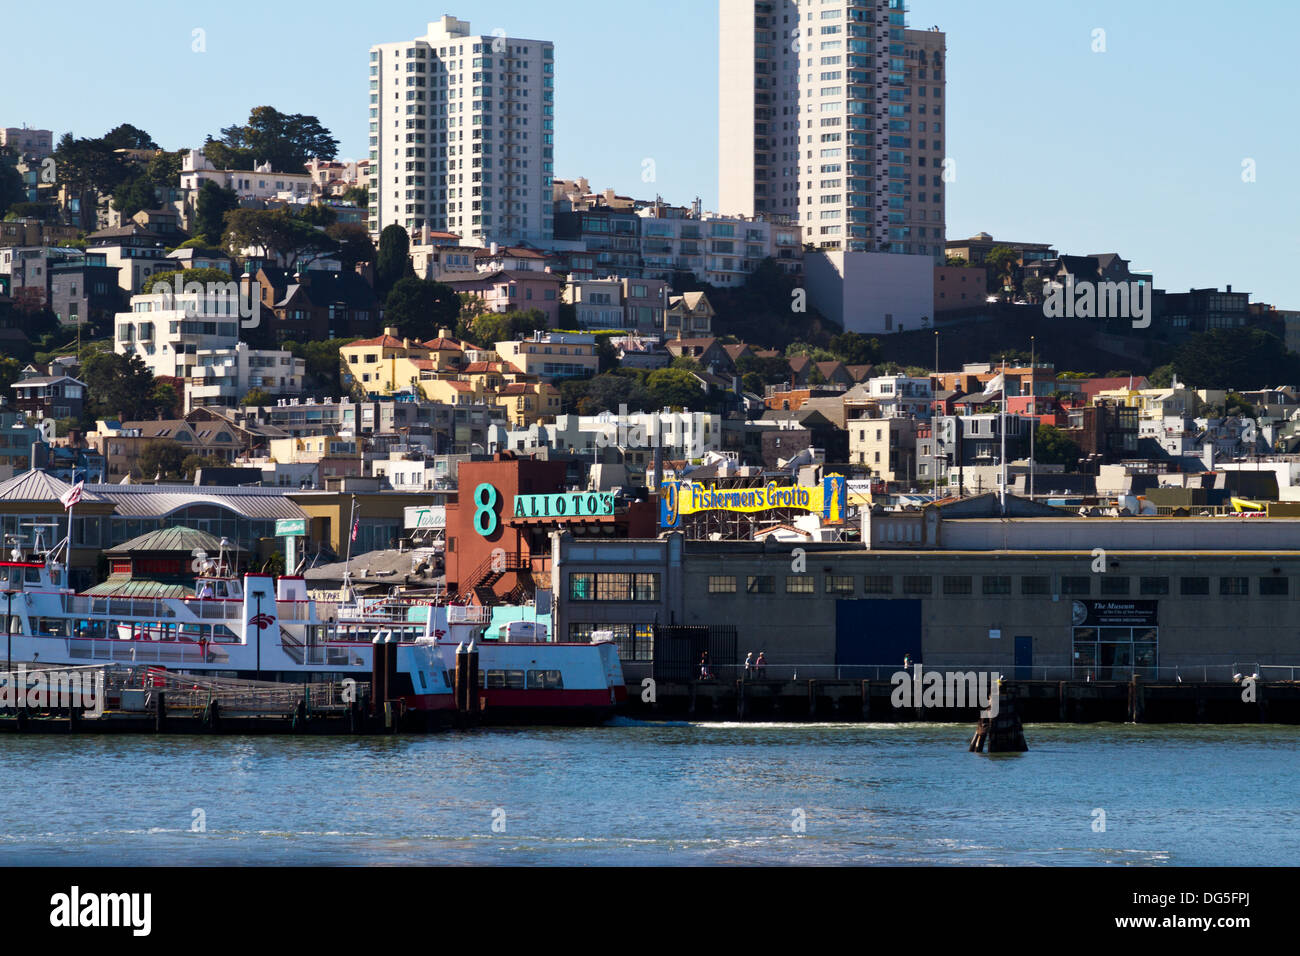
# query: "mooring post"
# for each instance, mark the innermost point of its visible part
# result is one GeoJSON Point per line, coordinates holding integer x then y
{"type": "Point", "coordinates": [1060, 701]}
{"type": "Point", "coordinates": [812, 698]}
{"type": "Point", "coordinates": [1135, 700]}
{"type": "Point", "coordinates": [740, 700]}
{"type": "Point", "coordinates": [159, 710]}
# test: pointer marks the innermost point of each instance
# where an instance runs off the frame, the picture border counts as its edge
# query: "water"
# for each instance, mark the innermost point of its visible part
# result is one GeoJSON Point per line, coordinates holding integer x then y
{"type": "Point", "coordinates": [655, 794]}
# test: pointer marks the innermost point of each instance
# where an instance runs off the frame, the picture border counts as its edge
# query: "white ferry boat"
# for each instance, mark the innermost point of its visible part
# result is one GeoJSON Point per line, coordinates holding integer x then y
{"type": "Point", "coordinates": [265, 628]}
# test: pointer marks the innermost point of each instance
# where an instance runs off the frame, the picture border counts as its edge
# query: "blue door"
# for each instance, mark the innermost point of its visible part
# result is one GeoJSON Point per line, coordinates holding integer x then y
{"type": "Point", "coordinates": [1024, 658]}
{"type": "Point", "coordinates": [877, 632]}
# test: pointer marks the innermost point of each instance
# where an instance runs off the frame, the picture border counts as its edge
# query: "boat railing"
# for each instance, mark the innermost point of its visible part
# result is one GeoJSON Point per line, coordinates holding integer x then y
{"type": "Point", "coordinates": [143, 652]}
{"type": "Point", "coordinates": [469, 614]}
{"type": "Point", "coordinates": [296, 610]}
{"type": "Point", "coordinates": [209, 608]}
{"type": "Point", "coordinates": [327, 655]}
{"type": "Point", "coordinates": [106, 606]}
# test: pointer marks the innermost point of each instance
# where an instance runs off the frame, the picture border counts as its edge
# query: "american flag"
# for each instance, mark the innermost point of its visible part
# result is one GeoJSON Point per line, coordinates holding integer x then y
{"type": "Point", "coordinates": [356, 524]}
{"type": "Point", "coordinates": [72, 495]}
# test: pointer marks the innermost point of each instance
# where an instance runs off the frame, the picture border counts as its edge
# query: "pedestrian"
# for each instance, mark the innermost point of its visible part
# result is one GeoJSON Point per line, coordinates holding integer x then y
{"type": "Point", "coordinates": [907, 663]}
{"type": "Point", "coordinates": [704, 667]}
{"type": "Point", "coordinates": [749, 665]}
{"type": "Point", "coordinates": [760, 666]}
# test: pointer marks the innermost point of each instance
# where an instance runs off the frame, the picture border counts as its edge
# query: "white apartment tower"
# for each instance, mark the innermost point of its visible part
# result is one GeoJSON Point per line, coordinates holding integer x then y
{"type": "Point", "coordinates": [832, 112]}
{"type": "Point", "coordinates": [462, 135]}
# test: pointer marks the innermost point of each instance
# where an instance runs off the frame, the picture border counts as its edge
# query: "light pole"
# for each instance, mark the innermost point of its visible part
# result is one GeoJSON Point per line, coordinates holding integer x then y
{"type": "Point", "coordinates": [9, 636]}
{"type": "Point", "coordinates": [258, 619]}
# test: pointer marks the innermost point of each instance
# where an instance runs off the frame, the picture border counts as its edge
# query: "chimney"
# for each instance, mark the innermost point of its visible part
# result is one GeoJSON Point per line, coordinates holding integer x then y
{"type": "Point", "coordinates": [492, 250]}
{"type": "Point", "coordinates": [391, 330]}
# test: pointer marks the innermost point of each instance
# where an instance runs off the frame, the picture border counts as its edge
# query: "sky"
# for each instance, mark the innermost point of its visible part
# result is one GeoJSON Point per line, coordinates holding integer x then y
{"type": "Point", "coordinates": [1137, 149]}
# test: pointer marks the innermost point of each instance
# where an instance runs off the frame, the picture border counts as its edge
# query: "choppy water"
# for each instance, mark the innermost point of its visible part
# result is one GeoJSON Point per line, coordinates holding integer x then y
{"type": "Point", "coordinates": [656, 794]}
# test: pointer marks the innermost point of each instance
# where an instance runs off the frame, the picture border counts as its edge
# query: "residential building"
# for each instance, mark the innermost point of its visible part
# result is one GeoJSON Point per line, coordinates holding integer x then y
{"type": "Point", "coordinates": [514, 291]}
{"type": "Point", "coordinates": [689, 316]}
{"type": "Point", "coordinates": [820, 113]}
{"type": "Point", "coordinates": [50, 396]}
{"type": "Point", "coordinates": [225, 376]}
{"type": "Point", "coordinates": [167, 330]}
{"type": "Point", "coordinates": [885, 447]}
{"type": "Point", "coordinates": [26, 142]}
{"type": "Point", "coordinates": [959, 287]}
{"type": "Point", "coordinates": [261, 183]}
{"type": "Point", "coordinates": [552, 356]}
{"type": "Point", "coordinates": [78, 287]}
{"type": "Point", "coordinates": [462, 135]}
{"type": "Point", "coordinates": [1199, 310]}
{"type": "Point", "coordinates": [976, 249]}
{"type": "Point", "coordinates": [871, 292]}
{"type": "Point", "coordinates": [317, 304]}
{"type": "Point", "coordinates": [28, 232]}
{"type": "Point", "coordinates": [137, 253]}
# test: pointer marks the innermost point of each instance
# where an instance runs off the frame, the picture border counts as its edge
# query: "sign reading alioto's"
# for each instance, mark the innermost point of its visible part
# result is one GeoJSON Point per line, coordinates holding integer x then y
{"type": "Point", "coordinates": [677, 498]}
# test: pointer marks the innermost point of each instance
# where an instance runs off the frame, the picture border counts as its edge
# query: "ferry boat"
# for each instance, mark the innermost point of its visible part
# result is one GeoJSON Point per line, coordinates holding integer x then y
{"type": "Point", "coordinates": [266, 628]}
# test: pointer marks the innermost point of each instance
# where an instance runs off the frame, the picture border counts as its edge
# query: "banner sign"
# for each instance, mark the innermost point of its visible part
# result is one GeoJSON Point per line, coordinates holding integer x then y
{"type": "Point", "coordinates": [574, 505]}
{"type": "Point", "coordinates": [1114, 613]}
{"type": "Point", "coordinates": [678, 498]}
{"type": "Point", "coordinates": [286, 527]}
{"type": "Point", "coordinates": [428, 518]}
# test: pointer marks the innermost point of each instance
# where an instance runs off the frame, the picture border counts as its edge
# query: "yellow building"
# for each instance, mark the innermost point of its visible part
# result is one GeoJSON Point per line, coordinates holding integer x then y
{"type": "Point", "coordinates": [526, 403]}
{"type": "Point", "coordinates": [383, 365]}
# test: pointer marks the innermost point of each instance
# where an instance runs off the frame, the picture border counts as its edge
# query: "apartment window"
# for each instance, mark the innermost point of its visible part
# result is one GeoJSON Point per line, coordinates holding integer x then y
{"type": "Point", "coordinates": [760, 584]}
{"type": "Point", "coordinates": [997, 584]}
{"type": "Point", "coordinates": [956, 584]}
{"type": "Point", "coordinates": [1273, 587]}
{"type": "Point", "coordinates": [1194, 586]}
{"type": "Point", "coordinates": [878, 584]}
{"type": "Point", "coordinates": [1234, 586]}
{"type": "Point", "coordinates": [799, 584]}
{"type": "Point", "coordinates": [1076, 585]}
{"type": "Point", "coordinates": [1153, 585]}
{"type": "Point", "coordinates": [1114, 585]}
{"type": "Point", "coordinates": [839, 584]}
{"type": "Point", "coordinates": [722, 584]}
{"type": "Point", "coordinates": [1036, 584]}
{"type": "Point", "coordinates": [917, 584]}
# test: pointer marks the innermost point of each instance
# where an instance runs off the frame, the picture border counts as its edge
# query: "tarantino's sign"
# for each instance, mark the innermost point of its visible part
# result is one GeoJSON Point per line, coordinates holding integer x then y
{"type": "Point", "coordinates": [1114, 613]}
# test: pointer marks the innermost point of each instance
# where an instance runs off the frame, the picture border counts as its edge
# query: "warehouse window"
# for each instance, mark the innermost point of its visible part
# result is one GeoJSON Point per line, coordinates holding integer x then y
{"type": "Point", "coordinates": [879, 584]}
{"type": "Point", "coordinates": [1274, 586]}
{"type": "Point", "coordinates": [1195, 586]}
{"type": "Point", "coordinates": [722, 584]}
{"type": "Point", "coordinates": [1113, 585]}
{"type": "Point", "coordinates": [917, 584]}
{"type": "Point", "coordinates": [1234, 585]}
{"type": "Point", "coordinates": [1153, 585]}
{"type": "Point", "coordinates": [1076, 585]}
{"type": "Point", "coordinates": [956, 584]}
{"type": "Point", "coordinates": [997, 584]}
{"type": "Point", "coordinates": [1035, 584]}
{"type": "Point", "coordinates": [761, 584]}
{"type": "Point", "coordinates": [799, 584]}
{"type": "Point", "coordinates": [839, 584]}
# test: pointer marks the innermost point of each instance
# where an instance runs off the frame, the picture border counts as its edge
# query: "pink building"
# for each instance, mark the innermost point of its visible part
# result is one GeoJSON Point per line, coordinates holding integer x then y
{"type": "Point", "coordinates": [509, 290]}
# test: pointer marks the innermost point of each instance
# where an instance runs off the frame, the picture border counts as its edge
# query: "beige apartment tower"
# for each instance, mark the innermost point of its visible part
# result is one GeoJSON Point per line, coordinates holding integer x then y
{"type": "Point", "coordinates": [831, 112]}
{"type": "Point", "coordinates": [462, 135]}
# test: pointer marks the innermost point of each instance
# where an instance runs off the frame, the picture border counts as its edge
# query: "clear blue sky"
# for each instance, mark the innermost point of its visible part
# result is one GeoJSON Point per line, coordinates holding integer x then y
{"type": "Point", "coordinates": [1137, 150]}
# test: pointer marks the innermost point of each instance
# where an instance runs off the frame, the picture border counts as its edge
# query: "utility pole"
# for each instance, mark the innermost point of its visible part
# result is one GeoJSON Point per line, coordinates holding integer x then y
{"type": "Point", "coordinates": [1033, 415]}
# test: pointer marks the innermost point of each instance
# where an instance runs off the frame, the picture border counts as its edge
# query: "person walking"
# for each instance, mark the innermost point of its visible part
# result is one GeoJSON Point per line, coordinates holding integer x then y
{"type": "Point", "coordinates": [760, 666]}
{"type": "Point", "coordinates": [749, 665]}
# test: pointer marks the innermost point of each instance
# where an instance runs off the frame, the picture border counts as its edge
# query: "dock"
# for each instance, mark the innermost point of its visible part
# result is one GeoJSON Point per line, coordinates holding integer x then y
{"type": "Point", "coordinates": [1036, 701]}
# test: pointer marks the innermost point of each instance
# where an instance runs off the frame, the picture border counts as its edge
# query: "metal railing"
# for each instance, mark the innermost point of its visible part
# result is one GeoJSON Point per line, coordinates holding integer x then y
{"type": "Point", "coordinates": [1174, 673]}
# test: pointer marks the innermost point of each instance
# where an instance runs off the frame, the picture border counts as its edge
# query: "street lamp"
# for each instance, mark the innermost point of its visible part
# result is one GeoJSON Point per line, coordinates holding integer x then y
{"type": "Point", "coordinates": [9, 637]}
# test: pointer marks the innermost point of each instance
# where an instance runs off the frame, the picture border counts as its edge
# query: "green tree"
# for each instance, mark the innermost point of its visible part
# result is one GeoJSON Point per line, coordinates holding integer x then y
{"type": "Point", "coordinates": [278, 232]}
{"type": "Point", "coordinates": [193, 463]}
{"type": "Point", "coordinates": [753, 382]}
{"type": "Point", "coordinates": [354, 243]}
{"type": "Point", "coordinates": [1002, 263]}
{"type": "Point", "coordinates": [491, 327]}
{"type": "Point", "coordinates": [204, 275]}
{"type": "Point", "coordinates": [854, 348]}
{"type": "Point", "coordinates": [256, 397]}
{"type": "Point", "coordinates": [1053, 447]}
{"type": "Point", "coordinates": [210, 209]}
{"type": "Point", "coordinates": [957, 261]}
{"type": "Point", "coordinates": [1162, 376]}
{"type": "Point", "coordinates": [163, 459]}
{"type": "Point", "coordinates": [611, 392]}
{"type": "Point", "coordinates": [675, 388]}
{"type": "Point", "coordinates": [358, 196]}
{"type": "Point", "coordinates": [318, 215]}
{"type": "Point", "coordinates": [117, 386]}
{"type": "Point", "coordinates": [10, 368]}
{"type": "Point", "coordinates": [418, 308]}
{"type": "Point", "coordinates": [394, 260]}
{"type": "Point", "coordinates": [1235, 358]}
{"type": "Point", "coordinates": [321, 359]}
{"type": "Point", "coordinates": [127, 136]}
{"type": "Point", "coordinates": [285, 140]}
{"type": "Point", "coordinates": [88, 168]}
{"type": "Point", "coordinates": [11, 181]}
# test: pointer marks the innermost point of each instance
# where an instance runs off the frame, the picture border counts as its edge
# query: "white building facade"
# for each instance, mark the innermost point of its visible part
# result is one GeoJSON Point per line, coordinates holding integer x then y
{"type": "Point", "coordinates": [462, 135]}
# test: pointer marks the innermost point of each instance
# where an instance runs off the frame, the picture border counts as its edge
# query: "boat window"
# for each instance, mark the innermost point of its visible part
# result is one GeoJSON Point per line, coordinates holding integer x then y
{"type": "Point", "coordinates": [423, 684]}
{"type": "Point", "coordinates": [446, 679]}
{"type": "Point", "coordinates": [32, 576]}
{"type": "Point", "coordinates": [515, 680]}
{"type": "Point", "coordinates": [495, 678]}
{"type": "Point", "coordinates": [53, 626]}
{"type": "Point", "coordinates": [220, 634]}
{"type": "Point", "coordinates": [545, 680]}
{"type": "Point", "coordinates": [15, 578]}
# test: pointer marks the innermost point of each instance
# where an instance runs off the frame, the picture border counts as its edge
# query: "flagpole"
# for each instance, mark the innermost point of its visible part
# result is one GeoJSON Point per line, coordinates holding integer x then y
{"type": "Point", "coordinates": [1033, 416]}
